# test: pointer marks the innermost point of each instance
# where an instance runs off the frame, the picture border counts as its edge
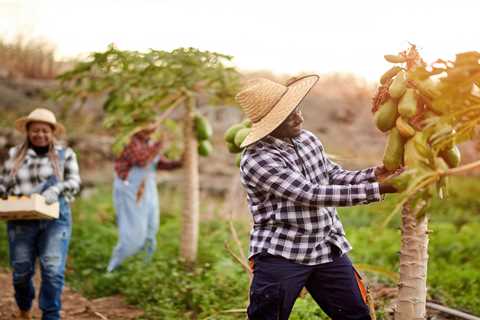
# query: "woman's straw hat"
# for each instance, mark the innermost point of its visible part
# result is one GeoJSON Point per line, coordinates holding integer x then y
{"type": "Point", "coordinates": [40, 115]}
{"type": "Point", "coordinates": [267, 103]}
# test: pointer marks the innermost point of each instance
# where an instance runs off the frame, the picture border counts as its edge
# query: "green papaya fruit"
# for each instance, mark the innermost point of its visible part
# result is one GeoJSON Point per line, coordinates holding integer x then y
{"type": "Point", "coordinates": [412, 158]}
{"type": "Point", "coordinates": [204, 148]}
{"type": "Point", "coordinates": [386, 115]}
{"type": "Point", "coordinates": [229, 136]}
{"type": "Point", "coordinates": [398, 85]}
{"type": "Point", "coordinates": [393, 153]}
{"type": "Point", "coordinates": [405, 129]}
{"type": "Point", "coordinates": [389, 74]}
{"type": "Point", "coordinates": [240, 136]}
{"type": "Point", "coordinates": [247, 123]}
{"type": "Point", "coordinates": [232, 148]}
{"type": "Point", "coordinates": [407, 106]}
{"type": "Point", "coordinates": [452, 156]}
{"type": "Point", "coordinates": [203, 129]}
{"type": "Point", "coordinates": [238, 158]}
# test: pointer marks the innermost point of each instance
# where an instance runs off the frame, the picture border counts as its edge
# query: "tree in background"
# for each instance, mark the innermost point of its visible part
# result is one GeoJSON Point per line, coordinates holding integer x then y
{"type": "Point", "coordinates": [143, 88]}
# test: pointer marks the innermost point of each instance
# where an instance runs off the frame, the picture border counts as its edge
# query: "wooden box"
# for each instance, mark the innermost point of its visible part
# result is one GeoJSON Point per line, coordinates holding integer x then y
{"type": "Point", "coordinates": [28, 208]}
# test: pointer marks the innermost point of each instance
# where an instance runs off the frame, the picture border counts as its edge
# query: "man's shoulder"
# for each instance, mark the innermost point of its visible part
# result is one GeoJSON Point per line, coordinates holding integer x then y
{"type": "Point", "coordinates": [308, 137]}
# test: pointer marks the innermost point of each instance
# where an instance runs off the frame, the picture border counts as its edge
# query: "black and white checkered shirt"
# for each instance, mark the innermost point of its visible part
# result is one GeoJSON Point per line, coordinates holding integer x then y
{"type": "Point", "coordinates": [36, 169]}
{"type": "Point", "coordinates": [292, 194]}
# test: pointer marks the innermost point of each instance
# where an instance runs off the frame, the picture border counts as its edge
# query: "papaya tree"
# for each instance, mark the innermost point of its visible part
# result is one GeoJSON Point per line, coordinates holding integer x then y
{"type": "Point", "coordinates": [141, 88]}
{"type": "Point", "coordinates": [426, 110]}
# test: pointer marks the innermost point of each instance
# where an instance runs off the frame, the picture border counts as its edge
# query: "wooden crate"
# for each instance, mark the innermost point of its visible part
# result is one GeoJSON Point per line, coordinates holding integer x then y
{"type": "Point", "coordinates": [28, 208]}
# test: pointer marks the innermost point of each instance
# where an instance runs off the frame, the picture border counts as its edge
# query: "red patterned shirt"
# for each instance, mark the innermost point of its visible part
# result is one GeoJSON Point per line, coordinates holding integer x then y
{"type": "Point", "coordinates": [139, 152]}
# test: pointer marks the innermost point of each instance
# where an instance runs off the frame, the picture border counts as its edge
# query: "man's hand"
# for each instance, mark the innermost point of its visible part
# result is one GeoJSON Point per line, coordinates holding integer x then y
{"type": "Point", "coordinates": [382, 173]}
{"type": "Point", "coordinates": [50, 195]}
{"type": "Point", "coordinates": [386, 188]}
{"type": "Point", "coordinates": [383, 176]}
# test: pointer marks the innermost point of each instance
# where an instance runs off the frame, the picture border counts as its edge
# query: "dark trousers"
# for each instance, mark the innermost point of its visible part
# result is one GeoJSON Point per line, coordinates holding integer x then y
{"type": "Point", "coordinates": [277, 283]}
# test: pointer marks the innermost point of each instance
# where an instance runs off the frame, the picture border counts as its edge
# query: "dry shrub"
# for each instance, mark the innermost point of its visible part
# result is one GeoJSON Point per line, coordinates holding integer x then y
{"type": "Point", "coordinates": [25, 57]}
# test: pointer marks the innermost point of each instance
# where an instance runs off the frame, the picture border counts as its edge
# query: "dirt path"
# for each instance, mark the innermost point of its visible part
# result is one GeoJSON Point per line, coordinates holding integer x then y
{"type": "Point", "coordinates": [75, 306]}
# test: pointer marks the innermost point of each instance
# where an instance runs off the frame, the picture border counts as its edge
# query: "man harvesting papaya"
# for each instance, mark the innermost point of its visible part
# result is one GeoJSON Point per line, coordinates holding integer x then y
{"type": "Point", "coordinates": [297, 239]}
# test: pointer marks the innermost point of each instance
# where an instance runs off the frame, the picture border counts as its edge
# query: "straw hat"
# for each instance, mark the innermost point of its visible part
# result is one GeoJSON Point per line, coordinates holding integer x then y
{"type": "Point", "coordinates": [267, 103]}
{"type": "Point", "coordinates": [39, 115]}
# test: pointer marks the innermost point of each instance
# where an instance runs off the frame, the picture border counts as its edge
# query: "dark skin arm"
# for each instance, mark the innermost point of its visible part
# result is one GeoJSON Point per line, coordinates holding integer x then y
{"type": "Point", "coordinates": [382, 174]}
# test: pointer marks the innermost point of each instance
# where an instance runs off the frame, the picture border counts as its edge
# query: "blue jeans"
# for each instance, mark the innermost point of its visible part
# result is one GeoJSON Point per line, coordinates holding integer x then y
{"type": "Point", "coordinates": [48, 240]}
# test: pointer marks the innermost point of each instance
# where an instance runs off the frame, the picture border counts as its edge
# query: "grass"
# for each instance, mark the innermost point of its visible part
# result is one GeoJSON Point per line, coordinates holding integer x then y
{"type": "Point", "coordinates": [218, 287]}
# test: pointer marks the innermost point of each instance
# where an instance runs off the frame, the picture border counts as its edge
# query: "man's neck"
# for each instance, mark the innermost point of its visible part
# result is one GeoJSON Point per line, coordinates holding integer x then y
{"type": "Point", "coordinates": [284, 139]}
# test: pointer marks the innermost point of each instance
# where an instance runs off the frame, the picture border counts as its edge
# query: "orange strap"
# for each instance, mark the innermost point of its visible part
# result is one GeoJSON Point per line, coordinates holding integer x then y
{"type": "Point", "coordinates": [361, 286]}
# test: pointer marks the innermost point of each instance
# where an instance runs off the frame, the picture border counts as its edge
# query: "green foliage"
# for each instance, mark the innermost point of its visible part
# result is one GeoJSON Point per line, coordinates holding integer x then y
{"type": "Point", "coordinates": [165, 290]}
{"type": "Point", "coordinates": [139, 86]}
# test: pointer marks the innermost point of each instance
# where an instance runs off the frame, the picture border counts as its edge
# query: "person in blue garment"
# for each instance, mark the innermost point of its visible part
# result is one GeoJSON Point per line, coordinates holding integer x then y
{"type": "Point", "coordinates": [40, 165]}
{"type": "Point", "coordinates": [135, 195]}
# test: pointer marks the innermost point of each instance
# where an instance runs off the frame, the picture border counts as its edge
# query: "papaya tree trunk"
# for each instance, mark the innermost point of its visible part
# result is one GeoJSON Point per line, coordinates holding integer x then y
{"type": "Point", "coordinates": [190, 220]}
{"type": "Point", "coordinates": [412, 294]}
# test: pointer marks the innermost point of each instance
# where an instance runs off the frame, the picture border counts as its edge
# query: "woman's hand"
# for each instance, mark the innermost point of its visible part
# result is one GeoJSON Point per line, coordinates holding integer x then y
{"type": "Point", "coordinates": [50, 195]}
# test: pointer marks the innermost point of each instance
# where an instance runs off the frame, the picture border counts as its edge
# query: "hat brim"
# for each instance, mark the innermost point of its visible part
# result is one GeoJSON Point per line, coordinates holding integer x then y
{"type": "Point", "coordinates": [21, 125]}
{"type": "Point", "coordinates": [282, 109]}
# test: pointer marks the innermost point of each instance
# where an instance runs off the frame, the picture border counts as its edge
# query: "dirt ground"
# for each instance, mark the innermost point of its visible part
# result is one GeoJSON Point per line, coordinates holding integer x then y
{"type": "Point", "coordinates": [75, 306]}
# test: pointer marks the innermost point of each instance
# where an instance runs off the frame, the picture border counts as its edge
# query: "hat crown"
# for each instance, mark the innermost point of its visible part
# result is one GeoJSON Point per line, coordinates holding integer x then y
{"type": "Point", "coordinates": [41, 114]}
{"type": "Point", "coordinates": [259, 96]}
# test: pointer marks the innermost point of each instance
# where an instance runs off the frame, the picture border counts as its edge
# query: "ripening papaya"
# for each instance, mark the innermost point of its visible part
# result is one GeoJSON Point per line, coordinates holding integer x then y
{"type": "Point", "coordinates": [452, 157]}
{"type": "Point", "coordinates": [204, 148]}
{"type": "Point", "coordinates": [231, 132]}
{"type": "Point", "coordinates": [393, 58]}
{"type": "Point", "coordinates": [238, 158]}
{"type": "Point", "coordinates": [404, 128]}
{"type": "Point", "coordinates": [407, 106]}
{"type": "Point", "coordinates": [412, 158]}
{"type": "Point", "coordinates": [232, 148]}
{"type": "Point", "coordinates": [386, 115]}
{"type": "Point", "coordinates": [441, 164]}
{"type": "Point", "coordinates": [393, 153]}
{"type": "Point", "coordinates": [240, 136]}
{"type": "Point", "coordinates": [398, 85]}
{"type": "Point", "coordinates": [389, 74]}
{"type": "Point", "coordinates": [428, 88]}
{"type": "Point", "coordinates": [203, 129]}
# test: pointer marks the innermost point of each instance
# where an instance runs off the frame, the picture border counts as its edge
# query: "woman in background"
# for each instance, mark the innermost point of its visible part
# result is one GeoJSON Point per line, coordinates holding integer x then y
{"type": "Point", "coordinates": [40, 165]}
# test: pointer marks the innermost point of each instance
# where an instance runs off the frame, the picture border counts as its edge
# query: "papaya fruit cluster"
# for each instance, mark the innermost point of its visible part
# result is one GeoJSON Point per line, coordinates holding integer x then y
{"type": "Point", "coordinates": [402, 110]}
{"type": "Point", "coordinates": [203, 134]}
{"type": "Point", "coordinates": [234, 137]}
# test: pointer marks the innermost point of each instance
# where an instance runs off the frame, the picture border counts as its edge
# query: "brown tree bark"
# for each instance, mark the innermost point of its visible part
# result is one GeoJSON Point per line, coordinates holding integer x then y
{"type": "Point", "coordinates": [412, 295]}
{"type": "Point", "coordinates": [190, 216]}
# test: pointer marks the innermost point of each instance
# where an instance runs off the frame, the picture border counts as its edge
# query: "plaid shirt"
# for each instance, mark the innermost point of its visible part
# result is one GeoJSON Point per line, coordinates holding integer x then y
{"type": "Point", "coordinates": [37, 169]}
{"type": "Point", "coordinates": [292, 194]}
{"type": "Point", "coordinates": [138, 152]}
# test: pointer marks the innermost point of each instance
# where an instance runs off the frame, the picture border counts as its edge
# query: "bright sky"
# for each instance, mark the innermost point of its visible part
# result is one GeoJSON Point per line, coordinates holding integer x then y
{"type": "Point", "coordinates": [282, 36]}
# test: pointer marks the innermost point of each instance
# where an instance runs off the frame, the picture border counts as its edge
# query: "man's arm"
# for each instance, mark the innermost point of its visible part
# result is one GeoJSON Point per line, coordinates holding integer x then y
{"type": "Point", "coordinates": [270, 174]}
{"type": "Point", "coordinates": [338, 175]}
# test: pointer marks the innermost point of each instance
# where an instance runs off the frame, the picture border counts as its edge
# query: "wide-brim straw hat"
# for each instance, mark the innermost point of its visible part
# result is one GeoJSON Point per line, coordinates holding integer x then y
{"type": "Point", "coordinates": [40, 115]}
{"type": "Point", "coordinates": [267, 103]}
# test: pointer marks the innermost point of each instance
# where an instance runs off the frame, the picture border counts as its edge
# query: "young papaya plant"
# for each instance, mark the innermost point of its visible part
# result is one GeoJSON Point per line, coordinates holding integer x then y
{"type": "Point", "coordinates": [427, 111]}
{"type": "Point", "coordinates": [140, 87]}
